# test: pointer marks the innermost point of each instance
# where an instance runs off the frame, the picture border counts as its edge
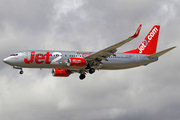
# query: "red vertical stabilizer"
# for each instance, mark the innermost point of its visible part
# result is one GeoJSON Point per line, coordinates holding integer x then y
{"type": "Point", "coordinates": [149, 44]}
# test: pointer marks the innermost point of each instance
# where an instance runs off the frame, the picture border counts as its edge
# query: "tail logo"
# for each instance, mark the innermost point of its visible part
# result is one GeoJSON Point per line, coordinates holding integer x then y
{"type": "Point", "coordinates": [151, 35]}
{"type": "Point", "coordinates": [142, 46]}
{"type": "Point", "coordinates": [146, 42]}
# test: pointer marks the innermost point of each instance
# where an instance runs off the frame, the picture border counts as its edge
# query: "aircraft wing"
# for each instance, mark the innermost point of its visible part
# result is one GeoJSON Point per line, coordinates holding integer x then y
{"type": "Point", "coordinates": [105, 53]}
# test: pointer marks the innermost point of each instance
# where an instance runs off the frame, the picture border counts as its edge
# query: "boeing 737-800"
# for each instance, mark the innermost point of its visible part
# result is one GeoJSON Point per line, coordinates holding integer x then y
{"type": "Point", "coordinates": [64, 63]}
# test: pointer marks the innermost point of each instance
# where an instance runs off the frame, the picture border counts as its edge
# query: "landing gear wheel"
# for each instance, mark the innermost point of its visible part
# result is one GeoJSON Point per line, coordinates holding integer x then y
{"type": "Point", "coordinates": [21, 72]}
{"type": "Point", "coordinates": [82, 76]}
{"type": "Point", "coordinates": [91, 70]}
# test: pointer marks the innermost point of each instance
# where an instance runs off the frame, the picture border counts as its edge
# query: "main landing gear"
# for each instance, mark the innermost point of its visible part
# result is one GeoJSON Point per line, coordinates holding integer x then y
{"type": "Point", "coordinates": [82, 76]}
{"type": "Point", "coordinates": [91, 71]}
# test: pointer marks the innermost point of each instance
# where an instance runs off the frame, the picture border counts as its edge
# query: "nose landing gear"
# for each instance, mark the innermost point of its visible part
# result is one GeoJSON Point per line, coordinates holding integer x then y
{"type": "Point", "coordinates": [19, 67]}
{"type": "Point", "coordinates": [21, 72]}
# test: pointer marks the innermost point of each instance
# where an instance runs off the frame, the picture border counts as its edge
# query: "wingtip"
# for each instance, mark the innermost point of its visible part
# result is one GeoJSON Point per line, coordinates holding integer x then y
{"type": "Point", "coordinates": [137, 31]}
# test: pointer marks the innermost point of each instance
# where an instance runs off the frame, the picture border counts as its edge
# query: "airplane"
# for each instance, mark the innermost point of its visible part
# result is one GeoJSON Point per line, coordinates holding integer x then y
{"type": "Point", "coordinates": [65, 63]}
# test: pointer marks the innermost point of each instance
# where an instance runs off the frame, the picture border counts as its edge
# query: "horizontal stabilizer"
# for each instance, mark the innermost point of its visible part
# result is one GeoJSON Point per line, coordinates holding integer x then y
{"type": "Point", "coordinates": [161, 53]}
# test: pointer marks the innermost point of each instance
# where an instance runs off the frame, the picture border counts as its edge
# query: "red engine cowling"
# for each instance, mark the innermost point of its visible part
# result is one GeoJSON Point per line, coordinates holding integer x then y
{"type": "Point", "coordinates": [60, 72]}
{"type": "Point", "coordinates": [76, 62]}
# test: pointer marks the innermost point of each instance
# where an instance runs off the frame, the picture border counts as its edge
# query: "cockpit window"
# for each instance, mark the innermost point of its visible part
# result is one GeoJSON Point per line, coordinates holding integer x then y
{"type": "Point", "coordinates": [14, 55]}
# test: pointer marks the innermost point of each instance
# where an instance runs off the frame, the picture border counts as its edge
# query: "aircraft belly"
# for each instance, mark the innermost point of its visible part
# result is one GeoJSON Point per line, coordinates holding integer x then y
{"type": "Point", "coordinates": [126, 63]}
{"type": "Point", "coordinates": [117, 64]}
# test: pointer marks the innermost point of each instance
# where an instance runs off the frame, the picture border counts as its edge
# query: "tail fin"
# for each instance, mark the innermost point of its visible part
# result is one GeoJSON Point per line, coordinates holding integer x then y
{"type": "Point", "coordinates": [149, 44]}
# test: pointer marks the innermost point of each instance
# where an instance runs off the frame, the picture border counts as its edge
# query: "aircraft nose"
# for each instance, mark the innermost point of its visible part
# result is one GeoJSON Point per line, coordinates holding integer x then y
{"type": "Point", "coordinates": [7, 60]}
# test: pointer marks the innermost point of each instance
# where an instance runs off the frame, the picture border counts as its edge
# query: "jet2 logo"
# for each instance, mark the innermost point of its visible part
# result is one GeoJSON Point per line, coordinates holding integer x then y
{"type": "Point", "coordinates": [146, 42]}
{"type": "Point", "coordinates": [43, 58]}
{"type": "Point", "coordinates": [143, 46]}
{"type": "Point", "coordinates": [39, 58]}
{"type": "Point", "coordinates": [57, 59]}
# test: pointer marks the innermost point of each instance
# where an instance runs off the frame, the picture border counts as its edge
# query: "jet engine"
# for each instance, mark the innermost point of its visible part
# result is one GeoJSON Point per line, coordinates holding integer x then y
{"type": "Point", "coordinates": [60, 72]}
{"type": "Point", "coordinates": [76, 62]}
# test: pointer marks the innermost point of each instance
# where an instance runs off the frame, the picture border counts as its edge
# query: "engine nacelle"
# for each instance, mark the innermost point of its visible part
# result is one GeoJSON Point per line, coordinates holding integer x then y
{"type": "Point", "coordinates": [76, 62]}
{"type": "Point", "coordinates": [60, 72]}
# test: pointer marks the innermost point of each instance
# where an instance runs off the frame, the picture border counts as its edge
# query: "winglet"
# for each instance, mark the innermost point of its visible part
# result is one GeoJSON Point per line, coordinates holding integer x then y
{"type": "Point", "coordinates": [137, 32]}
{"type": "Point", "coordinates": [161, 53]}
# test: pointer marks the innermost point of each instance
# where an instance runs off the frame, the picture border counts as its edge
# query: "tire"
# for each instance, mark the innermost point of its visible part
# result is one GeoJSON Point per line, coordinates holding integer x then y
{"type": "Point", "coordinates": [91, 70]}
{"type": "Point", "coordinates": [82, 76]}
{"type": "Point", "coordinates": [21, 72]}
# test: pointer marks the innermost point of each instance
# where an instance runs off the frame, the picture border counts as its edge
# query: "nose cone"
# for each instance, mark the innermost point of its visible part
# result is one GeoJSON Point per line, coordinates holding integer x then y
{"type": "Point", "coordinates": [7, 60]}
